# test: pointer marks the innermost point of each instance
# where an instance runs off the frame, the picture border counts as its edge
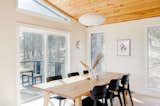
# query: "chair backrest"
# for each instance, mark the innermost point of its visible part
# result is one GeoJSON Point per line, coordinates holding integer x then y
{"type": "Point", "coordinates": [38, 67]}
{"type": "Point", "coordinates": [99, 91]}
{"type": "Point", "coordinates": [73, 74]}
{"type": "Point", "coordinates": [85, 72]}
{"type": "Point", "coordinates": [114, 85]}
{"type": "Point", "coordinates": [125, 80]}
{"type": "Point", "coordinates": [52, 78]}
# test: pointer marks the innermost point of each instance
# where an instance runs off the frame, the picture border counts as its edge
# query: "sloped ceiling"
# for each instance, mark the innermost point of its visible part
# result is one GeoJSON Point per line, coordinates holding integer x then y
{"type": "Point", "coordinates": [114, 10]}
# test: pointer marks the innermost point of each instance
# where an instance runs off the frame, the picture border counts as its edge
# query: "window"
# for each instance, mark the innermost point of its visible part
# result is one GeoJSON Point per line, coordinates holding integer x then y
{"type": "Point", "coordinates": [56, 47]}
{"type": "Point", "coordinates": [41, 53]}
{"type": "Point", "coordinates": [40, 7]}
{"type": "Point", "coordinates": [154, 57]}
{"type": "Point", "coordinates": [97, 42]}
{"type": "Point", "coordinates": [31, 53]}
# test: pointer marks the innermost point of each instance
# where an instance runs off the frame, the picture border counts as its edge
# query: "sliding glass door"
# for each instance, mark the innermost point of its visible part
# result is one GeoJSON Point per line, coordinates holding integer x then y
{"type": "Point", "coordinates": [41, 54]}
{"type": "Point", "coordinates": [31, 56]}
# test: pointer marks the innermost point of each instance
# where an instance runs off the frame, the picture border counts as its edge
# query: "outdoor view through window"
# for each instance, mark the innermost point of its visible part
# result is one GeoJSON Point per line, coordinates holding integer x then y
{"type": "Point", "coordinates": [41, 54]}
{"type": "Point", "coordinates": [154, 57]}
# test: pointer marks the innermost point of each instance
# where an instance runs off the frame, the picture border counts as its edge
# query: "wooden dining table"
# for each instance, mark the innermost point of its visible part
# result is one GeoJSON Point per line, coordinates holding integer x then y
{"type": "Point", "coordinates": [75, 87]}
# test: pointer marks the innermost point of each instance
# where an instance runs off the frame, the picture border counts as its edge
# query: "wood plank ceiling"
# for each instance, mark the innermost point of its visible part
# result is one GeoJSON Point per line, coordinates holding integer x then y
{"type": "Point", "coordinates": [114, 10]}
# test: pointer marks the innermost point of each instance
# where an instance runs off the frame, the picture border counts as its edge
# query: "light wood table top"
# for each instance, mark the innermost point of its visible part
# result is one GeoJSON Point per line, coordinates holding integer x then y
{"type": "Point", "coordinates": [55, 83]}
{"type": "Point", "coordinates": [82, 87]}
{"type": "Point", "coordinates": [78, 86]}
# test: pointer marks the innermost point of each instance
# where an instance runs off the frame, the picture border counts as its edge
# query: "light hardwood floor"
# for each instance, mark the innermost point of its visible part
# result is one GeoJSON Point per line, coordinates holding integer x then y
{"type": "Point", "coordinates": [142, 100]}
{"type": "Point", "coordinates": [139, 100]}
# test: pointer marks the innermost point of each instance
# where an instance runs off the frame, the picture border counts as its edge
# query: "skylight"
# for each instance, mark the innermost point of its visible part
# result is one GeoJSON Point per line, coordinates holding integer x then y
{"type": "Point", "coordinates": [38, 6]}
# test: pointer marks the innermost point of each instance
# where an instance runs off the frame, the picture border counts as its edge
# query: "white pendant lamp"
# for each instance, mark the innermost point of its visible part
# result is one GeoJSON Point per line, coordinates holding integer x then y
{"type": "Point", "coordinates": [91, 19]}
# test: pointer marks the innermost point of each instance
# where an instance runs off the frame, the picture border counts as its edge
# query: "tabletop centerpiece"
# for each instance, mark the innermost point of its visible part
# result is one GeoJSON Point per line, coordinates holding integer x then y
{"type": "Point", "coordinates": [91, 69]}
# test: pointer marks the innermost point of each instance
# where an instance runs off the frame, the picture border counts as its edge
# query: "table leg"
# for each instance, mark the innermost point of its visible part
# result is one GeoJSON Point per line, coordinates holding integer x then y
{"type": "Point", "coordinates": [46, 98]}
{"type": "Point", "coordinates": [78, 102]}
{"type": "Point", "coordinates": [126, 99]}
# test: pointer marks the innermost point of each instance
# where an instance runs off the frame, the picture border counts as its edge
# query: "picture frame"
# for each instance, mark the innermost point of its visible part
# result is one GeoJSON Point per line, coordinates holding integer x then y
{"type": "Point", "coordinates": [124, 47]}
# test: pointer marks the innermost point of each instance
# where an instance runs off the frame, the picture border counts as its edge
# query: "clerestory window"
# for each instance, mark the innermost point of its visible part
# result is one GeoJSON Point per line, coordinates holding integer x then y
{"type": "Point", "coordinates": [40, 7]}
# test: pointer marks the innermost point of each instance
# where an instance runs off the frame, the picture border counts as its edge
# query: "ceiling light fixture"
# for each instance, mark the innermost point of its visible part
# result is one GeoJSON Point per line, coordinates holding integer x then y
{"type": "Point", "coordinates": [91, 19]}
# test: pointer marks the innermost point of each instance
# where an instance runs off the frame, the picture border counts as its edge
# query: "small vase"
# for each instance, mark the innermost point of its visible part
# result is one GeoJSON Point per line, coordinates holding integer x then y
{"type": "Point", "coordinates": [96, 77]}
{"type": "Point", "coordinates": [93, 74]}
{"type": "Point", "coordinates": [90, 74]}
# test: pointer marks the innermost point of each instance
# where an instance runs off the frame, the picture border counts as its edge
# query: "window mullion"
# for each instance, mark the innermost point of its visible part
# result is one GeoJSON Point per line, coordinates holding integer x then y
{"type": "Point", "coordinates": [45, 57]}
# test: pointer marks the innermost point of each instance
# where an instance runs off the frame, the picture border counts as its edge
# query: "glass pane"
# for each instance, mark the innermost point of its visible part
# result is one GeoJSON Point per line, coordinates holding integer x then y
{"type": "Point", "coordinates": [97, 40]}
{"type": "Point", "coordinates": [39, 53]}
{"type": "Point", "coordinates": [56, 55]}
{"type": "Point", "coordinates": [40, 7]}
{"type": "Point", "coordinates": [31, 53]}
{"type": "Point", "coordinates": [31, 46]}
{"type": "Point", "coordinates": [154, 57]}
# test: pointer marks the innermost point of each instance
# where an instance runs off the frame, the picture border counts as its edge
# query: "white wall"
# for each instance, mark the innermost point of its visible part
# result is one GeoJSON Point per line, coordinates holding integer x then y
{"type": "Point", "coordinates": [77, 32]}
{"type": "Point", "coordinates": [7, 53]}
{"type": "Point", "coordinates": [8, 19]}
{"type": "Point", "coordinates": [136, 63]}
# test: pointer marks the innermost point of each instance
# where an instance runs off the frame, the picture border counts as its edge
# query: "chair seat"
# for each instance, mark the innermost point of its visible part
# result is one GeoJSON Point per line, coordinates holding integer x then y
{"type": "Point", "coordinates": [90, 102]}
{"type": "Point", "coordinates": [58, 97]}
{"type": "Point", "coordinates": [107, 94]}
{"type": "Point", "coordinates": [122, 89]}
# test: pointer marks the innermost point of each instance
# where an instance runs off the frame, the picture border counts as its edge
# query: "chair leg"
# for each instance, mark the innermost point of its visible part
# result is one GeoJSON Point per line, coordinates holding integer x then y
{"type": "Point", "coordinates": [95, 102]}
{"type": "Point", "coordinates": [106, 103]}
{"type": "Point", "coordinates": [130, 96]}
{"type": "Point", "coordinates": [119, 96]}
{"type": "Point", "coordinates": [124, 100]}
{"type": "Point", "coordinates": [111, 99]}
{"type": "Point", "coordinates": [74, 102]}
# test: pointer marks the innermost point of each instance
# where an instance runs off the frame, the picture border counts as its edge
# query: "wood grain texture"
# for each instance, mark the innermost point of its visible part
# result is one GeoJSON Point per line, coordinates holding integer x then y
{"type": "Point", "coordinates": [76, 87]}
{"type": "Point", "coordinates": [134, 16]}
{"type": "Point", "coordinates": [113, 10]}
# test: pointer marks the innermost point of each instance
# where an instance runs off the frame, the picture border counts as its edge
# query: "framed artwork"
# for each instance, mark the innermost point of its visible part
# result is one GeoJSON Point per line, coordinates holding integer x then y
{"type": "Point", "coordinates": [124, 47]}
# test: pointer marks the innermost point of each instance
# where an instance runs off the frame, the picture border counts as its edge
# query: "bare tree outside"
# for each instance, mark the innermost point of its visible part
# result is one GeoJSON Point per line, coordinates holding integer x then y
{"type": "Point", "coordinates": [154, 57]}
{"type": "Point", "coordinates": [36, 50]}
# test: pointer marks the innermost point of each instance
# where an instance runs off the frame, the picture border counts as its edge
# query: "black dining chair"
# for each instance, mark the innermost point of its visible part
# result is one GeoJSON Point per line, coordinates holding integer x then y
{"type": "Point", "coordinates": [125, 87]}
{"type": "Point", "coordinates": [52, 78]}
{"type": "Point", "coordinates": [73, 74]}
{"type": "Point", "coordinates": [85, 71]}
{"type": "Point", "coordinates": [113, 91]}
{"type": "Point", "coordinates": [97, 93]}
